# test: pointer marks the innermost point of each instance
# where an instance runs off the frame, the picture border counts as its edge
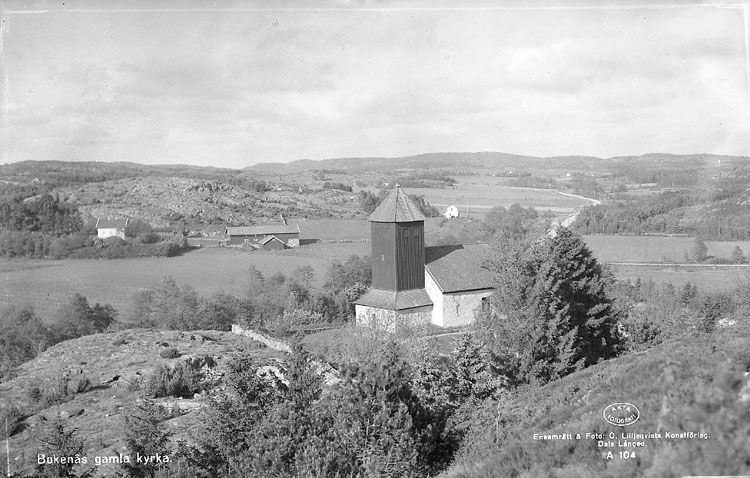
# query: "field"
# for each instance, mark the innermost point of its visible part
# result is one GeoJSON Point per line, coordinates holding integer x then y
{"type": "Point", "coordinates": [333, 229]}
{"type": "Point", "coordinates": [655, 248]}
{"type": "Point", "coordinates": [708, 279]}
{"type": "Point", "coordinates": [479, 197]}
{"type": "Point", "coordinates": [47, 284]}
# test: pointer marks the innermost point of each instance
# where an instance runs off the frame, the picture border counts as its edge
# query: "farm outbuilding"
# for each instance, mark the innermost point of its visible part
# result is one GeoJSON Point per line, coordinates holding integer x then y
{"type": "Point", "coordinates": [272, 243]}
{"type": "Point", "coordinates": [285, 233]}
{"type": "Point", "coordinates": [111, 228]}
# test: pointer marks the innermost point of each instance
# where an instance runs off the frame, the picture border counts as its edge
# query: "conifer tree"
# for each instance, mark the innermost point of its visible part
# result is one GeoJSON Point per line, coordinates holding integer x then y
{"type": "Point", "coordinates": [699, 252]}
{"type": "Point", "coordinates": [59, 441]}
{"type": "Point", "coordinates": [146, 435]}
{"type": "Point", "coordinates": [551, 313]}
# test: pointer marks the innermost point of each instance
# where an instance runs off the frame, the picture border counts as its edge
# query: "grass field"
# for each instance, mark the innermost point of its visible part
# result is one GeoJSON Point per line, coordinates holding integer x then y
{"type": "Point", "coordinates": [708, 279]}
{"type": "Point", "coordinates": [654, 248]}
{"type": "Point", "coordinates": [333, 229]}
{"type": "Point", "coordinates": [48, 284]}
{"type": "Point", "coordinates": [480, 198]}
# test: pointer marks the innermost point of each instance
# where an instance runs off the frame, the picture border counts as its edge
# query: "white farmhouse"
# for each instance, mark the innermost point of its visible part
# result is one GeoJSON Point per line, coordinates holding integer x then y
{"type": "Point", "coordinates": [451, 212]}
{"type": "Point", "coordinates": [111, 228]}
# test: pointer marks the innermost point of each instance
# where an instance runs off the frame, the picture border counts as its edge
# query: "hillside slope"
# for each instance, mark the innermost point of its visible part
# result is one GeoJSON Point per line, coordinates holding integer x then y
{"type": "Point", "coordinates": [117, 365]}
{"type": "Point", "coordinates": [696, 386]}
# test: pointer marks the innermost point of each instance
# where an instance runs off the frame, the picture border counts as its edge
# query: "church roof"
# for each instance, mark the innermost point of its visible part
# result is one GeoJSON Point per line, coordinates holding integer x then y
{"type": "Point", "coordinates": [396, 207]}
{"type": "Point", "coordinates": [395, 300]}
{"type": "Point", "coordinates": [459, 268]}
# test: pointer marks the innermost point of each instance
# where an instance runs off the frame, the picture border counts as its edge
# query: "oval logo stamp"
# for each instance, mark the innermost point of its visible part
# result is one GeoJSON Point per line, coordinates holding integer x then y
{"type": "Point", "coordinates": [621, 414]}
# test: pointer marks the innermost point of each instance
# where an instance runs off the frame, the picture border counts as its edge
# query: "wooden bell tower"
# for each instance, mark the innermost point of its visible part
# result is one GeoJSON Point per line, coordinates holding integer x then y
{"type": "Point", "coordinates": [398, 294]}
{"type": "Point", "coordinates": [397, 232]}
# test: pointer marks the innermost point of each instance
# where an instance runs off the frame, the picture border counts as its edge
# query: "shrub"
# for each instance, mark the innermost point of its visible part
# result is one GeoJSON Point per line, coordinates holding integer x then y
{"type": "Point", "coordinates": [57, 393]}
{"type": "Point", "coordinates": [14, 417]}
{"type": "Point", "coordinates": [180, 381]}
{"type": "Point", "coordinates": [83, 385]}
{"type": "Point", "coordinates": [170, 353]}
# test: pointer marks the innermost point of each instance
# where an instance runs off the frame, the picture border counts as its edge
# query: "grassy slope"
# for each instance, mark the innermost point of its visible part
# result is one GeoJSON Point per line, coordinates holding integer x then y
{"type": "Point", "coordinates": [102, 357]}
{"type": "Point", "coordinates": [677, 386]}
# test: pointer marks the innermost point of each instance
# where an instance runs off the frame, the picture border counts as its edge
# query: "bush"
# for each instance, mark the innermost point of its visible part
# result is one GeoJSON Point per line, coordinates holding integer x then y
{"type": "Point", "coordinates": [58, 393]}
{"type": "Point", "coordinates": [14, 417]}
{"type": "Point", "coordinates": [170, 353]}
{"type": "Point", "coordinates": [180, 381]}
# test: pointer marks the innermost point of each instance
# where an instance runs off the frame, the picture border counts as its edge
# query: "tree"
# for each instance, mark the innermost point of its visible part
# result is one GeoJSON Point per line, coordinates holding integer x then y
{"type": "Point", "coordinates": [304, 275]}
{"type": "Point", "coordinates": [472, 375]}
{"type": "Point", "coordinates": [77, 318]}
{"type": "Point", "coordinates": [738, 257]}
{"type": "Point", "coordinates": [24, 335]}
{"type": "Point", "coordinates": [60, 441]}
{"type": "Point", "coordinates": [550, 314]}
{"type": "Point", "coordinates": [699, 251]}
{"type": "Point", "coordinates": [146, 435]}
{"type": "Point", "coordinates": [174, 307]}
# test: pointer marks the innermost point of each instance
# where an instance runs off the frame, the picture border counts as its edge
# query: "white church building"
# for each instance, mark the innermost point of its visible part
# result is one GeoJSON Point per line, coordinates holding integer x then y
{"type": "Point", "coordinates": [446, 285]}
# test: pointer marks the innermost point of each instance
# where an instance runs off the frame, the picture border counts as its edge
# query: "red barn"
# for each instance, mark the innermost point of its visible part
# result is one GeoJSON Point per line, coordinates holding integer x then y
{"type": "Point", "coordinates": [238, 236]}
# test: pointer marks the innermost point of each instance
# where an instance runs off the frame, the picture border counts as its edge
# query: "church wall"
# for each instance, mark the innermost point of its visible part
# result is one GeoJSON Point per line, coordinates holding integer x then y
{"type": "Point", "coordinates": [391, 320]}
{"type": "Point", "coordinates": [461, 308]}
{"type": "Point", "coordinates": [436, 295]}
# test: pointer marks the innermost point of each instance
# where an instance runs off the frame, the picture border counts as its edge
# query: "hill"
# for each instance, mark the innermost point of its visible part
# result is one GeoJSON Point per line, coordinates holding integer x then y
{"type": "Point", "coordinates": [693, 397]}
{"type": "Point", "coordinates": [116, 366]}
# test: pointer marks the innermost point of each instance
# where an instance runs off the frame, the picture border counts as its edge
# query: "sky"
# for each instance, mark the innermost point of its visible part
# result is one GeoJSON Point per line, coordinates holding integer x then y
{"type": "Point", "coordinates": [235, 83]}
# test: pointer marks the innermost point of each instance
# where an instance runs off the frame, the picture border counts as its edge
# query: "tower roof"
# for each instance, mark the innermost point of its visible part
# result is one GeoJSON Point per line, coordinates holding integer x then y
{"type": "Point", "coordinates": [396, 207]}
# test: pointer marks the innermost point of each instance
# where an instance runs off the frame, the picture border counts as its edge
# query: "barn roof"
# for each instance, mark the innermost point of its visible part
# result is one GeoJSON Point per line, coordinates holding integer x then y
{"type": "Point", "coordinates": [263, 230]}
{"type": "Point", "coordinates": [395, 300]}
{"type": "Point", "coordinates": [459, 268]}
{"type": "Point", "coordinates": [111, 223]}
{"type": "Point", "coordinates": [270, 238]}
{"type": "Point", "coordinates": [396, 207]}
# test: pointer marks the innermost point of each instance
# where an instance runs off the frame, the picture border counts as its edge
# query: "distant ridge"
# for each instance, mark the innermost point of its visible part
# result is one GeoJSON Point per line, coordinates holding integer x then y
{"type": "Point", "coordinates": [451, 160]}
{"type": "Point", "coordinates": [489, 159]}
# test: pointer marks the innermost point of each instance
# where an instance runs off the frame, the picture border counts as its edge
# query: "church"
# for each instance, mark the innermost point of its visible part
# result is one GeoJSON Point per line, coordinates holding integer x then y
{"type": "Point", "coordinates": [413, 284]}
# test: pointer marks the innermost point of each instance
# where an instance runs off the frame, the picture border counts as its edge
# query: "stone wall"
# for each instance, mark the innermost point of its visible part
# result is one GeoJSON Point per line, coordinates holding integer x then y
{"type": "Point", "coordinates": [461, 308]}
{"type": "Point", "coordinates": [264, 339]}
{"type": "Point", "coordinates": [390, 320]}
{"type": "Point", "coordinates": [329, 374]}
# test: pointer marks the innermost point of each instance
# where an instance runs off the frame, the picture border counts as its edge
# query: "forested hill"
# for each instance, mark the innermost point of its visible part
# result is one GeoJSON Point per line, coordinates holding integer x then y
{"type": "Point", "coordinates": [619, 165]}
{"type": "Point", "coordinates": [640, 169]}
{"type": "Point", "coordinates": [66, 173]}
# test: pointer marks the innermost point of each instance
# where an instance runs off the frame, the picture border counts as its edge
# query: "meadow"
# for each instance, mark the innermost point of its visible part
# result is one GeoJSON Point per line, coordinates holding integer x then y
{"type": "Point", "coordinates": [479, 197]}
{"type": "Point", "coordinates": [48, 284]}
{"type": "Point", "coordinates": [655, 248]}
{"type": "Point", "coordinates": [708, 279]}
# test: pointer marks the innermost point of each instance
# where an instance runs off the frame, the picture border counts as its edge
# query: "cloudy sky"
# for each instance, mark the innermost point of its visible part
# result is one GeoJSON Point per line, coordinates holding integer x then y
{"type": "Point", "coordinates": [232, 84]}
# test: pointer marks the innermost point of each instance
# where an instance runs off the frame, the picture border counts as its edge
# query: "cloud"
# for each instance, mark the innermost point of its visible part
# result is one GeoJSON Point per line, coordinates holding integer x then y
{"type": "Point", "coordinates": [227, 87]}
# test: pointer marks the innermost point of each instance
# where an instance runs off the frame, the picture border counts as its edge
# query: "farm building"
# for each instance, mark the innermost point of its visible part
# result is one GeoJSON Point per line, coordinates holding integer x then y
{"type": "Point", "coordinates": [271, 243]}
{"type": "Point", "coordinates": [450, 212]}
{"type": "Point", "coordinates": [412, 284]}
{"type": "Point", "coordinates": [285, 233]}
{"type": "Point", "coordinates": [111, 228]}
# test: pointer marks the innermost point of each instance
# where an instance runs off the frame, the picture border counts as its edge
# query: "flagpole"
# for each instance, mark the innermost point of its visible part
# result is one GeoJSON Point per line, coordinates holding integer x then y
{"type": "Point", "coordinates": [7, 446]}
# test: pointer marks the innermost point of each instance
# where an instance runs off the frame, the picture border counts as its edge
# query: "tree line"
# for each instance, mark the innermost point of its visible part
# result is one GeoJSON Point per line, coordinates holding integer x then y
{"type": "Point", "coordinates": [665, 213]}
